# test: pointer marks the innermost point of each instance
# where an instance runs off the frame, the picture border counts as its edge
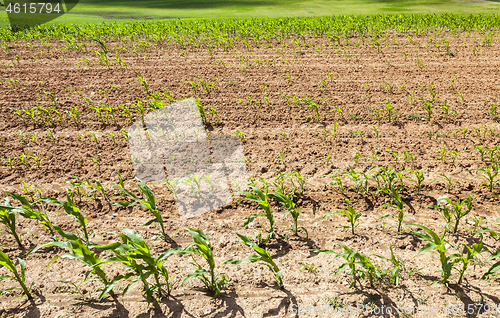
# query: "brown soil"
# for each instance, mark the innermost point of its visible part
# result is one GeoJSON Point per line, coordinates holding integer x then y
{"type": "Point", "coordinates": [355, 79]}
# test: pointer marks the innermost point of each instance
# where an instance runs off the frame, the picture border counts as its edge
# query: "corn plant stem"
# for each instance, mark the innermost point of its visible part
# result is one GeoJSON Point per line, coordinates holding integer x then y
{"type": "Point", "coordinates": [18, 241]}
{"type": "Point", "coordinates": [23, 286]}
{"type": "Point", "coordinates": [12, 230]}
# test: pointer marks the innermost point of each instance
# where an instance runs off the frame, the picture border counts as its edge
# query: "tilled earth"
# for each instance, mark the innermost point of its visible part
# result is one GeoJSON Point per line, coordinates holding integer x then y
{"type": "Point", "coordinates": [263, 93]}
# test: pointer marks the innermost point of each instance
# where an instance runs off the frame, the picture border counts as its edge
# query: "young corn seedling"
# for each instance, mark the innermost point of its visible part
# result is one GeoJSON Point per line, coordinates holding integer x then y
{"type": "Point", "coordinates": [439, 244]}
{"type": "Point", "coordinates": [103, 55]}
{"type": "Point", "coordinates": [296, 177]}
{"type": "Point", "coordinates": [491, 273]}
{"type": "Point", "coordinates": [130, 253]}
{"type": "Point", "coordinates": [71, 210]}
{"type": "Point", "coordinates": [202, 247]}
{"type": "Point", "coordinates": [263, 258]}
{"type": "Point", "coordinates": [351, 215]}
{"type": "Point", "coordinates": [446, 181]}
{"type": "Point", "coordinates": [472, 252]}
{"type": "Point", "coordinates": [462, 99]}
{"type": "Point", "coordinates": [28, 211]}
{"type": "Point", "coordinates": [494, 115]}
{"type": "Point", "coordinates": [359, 178]}
{"type": "Point", "coordinates": [312, 104]}
{"type": "Point", "coordinates": [360, 265]}
{"type": "Point", "coordinates": [97, 160]}
{"type": "Point", "coordinates": [392, 113]}
{"type": "Point", "coordinates": [79, 251]}
{"type": "Point", "coordinates": [397, 271]}
{"type": "Point", "coordinates": [77, 185]}
{"type": "Point", "coordinates": [341, 112]}
{"type": "Point", "coordinates": [455, 211]}
{"type": "Point", "coordinates": [447, 112]}
{"type": "Point", "coordinates": [147, 201]}
{"type": "Point", "coordinates": [389, 179]}
{"type": "Point", "coordinates": [482, 151]}
{"type": "Point", "coordinates": [201, 110]}
{"type": "Point", "coordinates": [96, 191]}
{"type": "Point", "coordinates": [262, 198]}
{"type": "Point", "coordinates": [398, 204]}
{"type": "Point", "coordinates": [19, 277]}
{"type": "Point", "coordinates": [428, 108]}
{"type": "Point", "coordinates": [490, 173]}
{"type": "Point", "coordinates": [286, 200]}
{"type": "Point", "coordinates": [8, 218]}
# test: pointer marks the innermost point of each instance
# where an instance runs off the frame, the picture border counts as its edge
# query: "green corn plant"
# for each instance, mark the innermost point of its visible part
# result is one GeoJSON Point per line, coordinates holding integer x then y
{"type": "Point", "coordinates": [262, 198]}
{"type": "Point", "coordinates": [397, 271]}
{"type": "Point", "coordinates": [428, 108]}
{"type": "Point", "coordinates": [263, 258]}
{"type": "Point", "coordinates": [202, 247]}
{"type": "Point", "coordinates": [477, 221]}
{"type": "Point", "coordinates": [493, 111]}
{"type": "Point", "coordinates": [446, 180]}
{"type": "Point", "coordinates": [93, 190]}
{"type": "Point", "coordinates": [286, 200]}
{"type": "Point", "coordinates": [140, 79]}
{"type": "Point", "coordinates": [441, 154]}
{"type": "Point", "coordinates": [455, 211]}
{"type": "Point", "coordinates": [312, 104]}
{"type": "Point", "coordinates": [392, 113]}
{"type": "Point", "coordinates": [125, 110]}
{"type": "Point", "coordinates": [296, 177]}
{"type": "Point", "coordinates": [341, 112]}
{"type": "Point", "coordinates": [31, 191]}
{"type": "Point", "coordinates": [359, 178]}
{"type": "Point", "coordinates": [20, 114]}
{"type": "Point", "coordinates": [19, 277]}
{"type": "Point", "coordinates": [482, 151]}
{"type": "Point", "coordinates": [136, 255]}
{"type": "Point", "coordinates": [462, 99]}
{"type": "Point", "coordinates": [447, 112]}
{"type": "Point", "coordinates": [388, 179]}
{"type": "Point", "coordinates": [97, 160]}
{"type": "Point", "coordinates": [279, 184]}
{"type": "Point", "coordinates": [201, 110]}
{"type": "Point", "coordinates": [337, 181]}
{"type": "Point", "coordinates": [408, 156]}
{"type": "Point", "coordinates": [439, 244]}
{"type": "Point", "coordinates": [360, 265]}
{"type": "Point", "coordinates": [8, 218]}
{"type": "Point", "coordinates": [100, 188]}
{"type": "Point", "coordinates": [214, 111]}
{"type": "Point", "coordinates": [19, 135]}
{"type": "Point", "coordinates": [71, 210]}
{"type": "Point", "coordinates": [77, 185]}
{"type": "Point", "coordinates": [491, 273]}
{"type": "Point", "coordinates": [398, 204]}
{"type": "Point", "coordinates": [28, 211]}
{"type": "Point", "coordinates": [490, 173]}
{"type": "Point", "coordinates": [351, 215]}
{"type": "Point", "coordinates": [79, 251]}
{"type": "Point", "coordinates": [194, 182]}
{"type": "Point", "coordinates": [433, 93]}
{"type": "Point", "coordinates": [147, 201]}
{"type": "Point", "coordinates": [472, 252]}
{"type": "Point", "coordinates": [240, 135]}
{"type": "Point", "coordinates": [103, 56]}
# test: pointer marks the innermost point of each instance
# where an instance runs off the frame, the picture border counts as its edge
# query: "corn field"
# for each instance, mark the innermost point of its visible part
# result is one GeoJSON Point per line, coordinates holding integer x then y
{"type": "Point", "coordinates": [371, 145]}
